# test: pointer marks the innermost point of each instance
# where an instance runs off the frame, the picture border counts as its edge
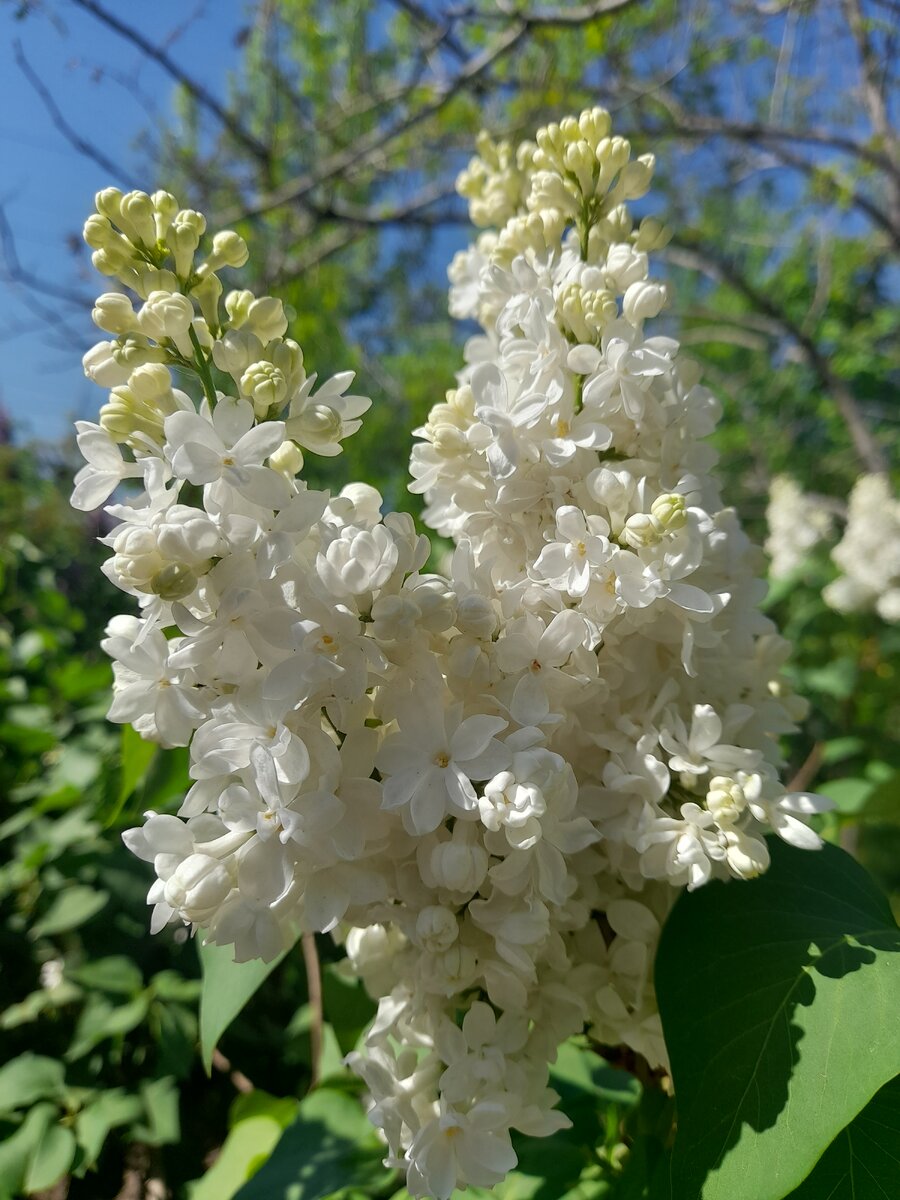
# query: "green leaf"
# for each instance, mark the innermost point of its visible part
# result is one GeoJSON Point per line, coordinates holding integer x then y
{"type": "Point", "coordinates": [71, 907]}
{"type": "Point", "coordinates": [100, 1020]}
{"type": "Point", "coordinates": [51, 1157]}
{"type": "Point", "coordinates": [863, 1162]}
{"type": "Point", "coordinates": [136, 754]}
{"type": "Point", "coordinates": [258, 1121]}
{"type": "Point", "coordinates": [116, 974]}
{"type": "Point", "coordinates": [883, 802]}
{"type": "Point", "coordinates": [17, 1150]}
{"type": "Point", "coordinates": [227, 986]}
{"type": "Point", "coordinates": [849, 795]}
{"type": "Point", "coordinates": [107, 1111]}
{"type": "Point", "coordinates": [28, 1078]}
{"type": "Point", "coordinates": [160, 1098]}
{"type": "Point", "coordinates": [329, 1147]}
{"type": "Point", "coordinates": [764, 991]}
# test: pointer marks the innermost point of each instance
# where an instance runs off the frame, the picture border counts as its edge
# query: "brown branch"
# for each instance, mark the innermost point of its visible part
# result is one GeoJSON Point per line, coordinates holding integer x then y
{"type": "Point", "coordinates": [722, 270]}
{"type": "Point", "coordinates": [202, 95]}
{"type": "Point", "coordinates": [874, 98]}
{"type": "Point", "coordinates": [808, 769]}
{"type": "Point", "coordinates": [691, 125]}
{"type": "Point", "coordinates": [314, 992]}
{"type": "Point", "coordinates": [16, 273]}
{"type": "Point", "coordinates": [426, 20]}
{"type": "Point", "coordinates": [364, 148]}
{"type": "Point", "coordinates": [841, 191]}
{"type": "Point", "coordinates": [238, 1078]}
{"type": "Point", "coordinates": [88, 149]}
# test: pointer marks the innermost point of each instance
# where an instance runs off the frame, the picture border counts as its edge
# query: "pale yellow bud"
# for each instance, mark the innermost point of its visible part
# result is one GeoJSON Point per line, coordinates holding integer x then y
{"type": "Point", "coordinates": [641, 530]}
{"type": "Point", "coordinates": [184, 237]}
{"type": "Point", "coordinates": [137, 218]}
{"type": "Point", "coordinates": [207, 294]}
{"type": "Point", "coordinates": [154, 279]}
{"type": "Point", "coordinates": [237, 305]}
{"type": "Point", "coordinates": [235, 351]}
{"type": "Point", "coordinates": [165, 206]}
{"type": "Point", "coordinates": [228, 250]}
{"type": "Point", "coordinates": [265, 385]}
{"type": "Point", "coordinates": [114, 312]}
{"type": "Point", "coordinates": [643, 300]}
{"type": "Point", "coordinates": [108, 202]}
{"type": "Point", "coordinates": [652, 235]}
{"type": "Point", "coordinates": [165, 315]}
{"type": "Point", "coordinates": [725, 799]}
{"type": "Point", "coordinates": [670, 511]}
{"type": "Point", "coordinates": [98, 232]}
{"type": "Point", "coordinates": [287, 459]}
{"type": "Point", "coordinates": [636, 177]}
{"type": "Point", "coordinates": [173, 582]}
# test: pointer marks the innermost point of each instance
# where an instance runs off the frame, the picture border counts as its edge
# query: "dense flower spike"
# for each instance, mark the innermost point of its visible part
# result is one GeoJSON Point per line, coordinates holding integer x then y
{"type": "Point", "coordinates": [458, 776]}
{"type": "Point", "coordinates": [867, 555]}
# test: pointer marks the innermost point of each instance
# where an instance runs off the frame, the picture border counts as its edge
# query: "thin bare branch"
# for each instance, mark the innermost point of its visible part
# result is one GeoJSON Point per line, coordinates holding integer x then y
{"type": "Point", "coordinates": [16, 273]}
{"type": "Point", "coordinates": [88, 149]}
{"type": "Point", "coordinates": [427, 20]}
{"type": "Point", "coordinates": [363, 149]}
{"type": "Point", "coordinates": [693, 125]}
{"type": "Point", "coordinates": [874, 97]}
{"type": "Point", "coordinates": [703, 259]}
{"type": "Point", "coordinates": [314, 991]}
{"type": "Point", "coordinates": [202, 95]}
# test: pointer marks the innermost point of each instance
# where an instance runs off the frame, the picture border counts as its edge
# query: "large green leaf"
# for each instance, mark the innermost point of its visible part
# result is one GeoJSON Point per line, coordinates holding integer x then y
{"type": "Point", "coordinates": [863, 1162]}
{"type": "Point", "coordinates": [28, 1078]}
{"type": "Point", "coordinates": [227, 986]}
{"type": "Point", "coordinates": [330, 1146]}
{"type": "Point", "coordinates": [779, 1003]}
{"type": "Point", "coordinates": [257, 1122]}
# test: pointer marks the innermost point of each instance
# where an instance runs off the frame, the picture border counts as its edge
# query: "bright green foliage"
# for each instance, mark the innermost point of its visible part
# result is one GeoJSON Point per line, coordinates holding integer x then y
{"type": "Point", "coordinates": [863, 1162]}
{"type": "Point", "coordinates": [779, 1005]}
{"type": "Point", "coordinates": [227, 986]}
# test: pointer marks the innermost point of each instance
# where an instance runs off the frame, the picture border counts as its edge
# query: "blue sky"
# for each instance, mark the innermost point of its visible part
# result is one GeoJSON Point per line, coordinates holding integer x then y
{"type": "Point", "coordinates": [47, 187]}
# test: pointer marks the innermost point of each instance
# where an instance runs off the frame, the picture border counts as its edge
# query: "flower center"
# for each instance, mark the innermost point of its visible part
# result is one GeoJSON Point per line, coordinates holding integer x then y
{"type": "Point", "coordinates": [442, 759]}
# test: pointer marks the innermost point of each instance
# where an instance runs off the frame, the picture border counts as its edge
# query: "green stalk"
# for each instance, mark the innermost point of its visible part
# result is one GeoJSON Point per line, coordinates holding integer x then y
{"type": "Point", "coordinates": [202, 364]}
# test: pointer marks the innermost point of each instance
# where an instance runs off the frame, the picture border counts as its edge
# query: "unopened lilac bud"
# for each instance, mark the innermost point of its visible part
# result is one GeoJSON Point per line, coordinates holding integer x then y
{"type": "Point", "coordinates": [459, 867]}
{"type": "Point", "coordinates": [166, 315]}
{"type": "Point", "coordinates": [641, 530]}
{"type": "Point", "coordinates": [114, 313]}
{"type": "Point", "coordinates": [669, 509]}
{"type": "Point", "coordinates": [642, 301]}
{"type": "Point", "coordinates": [137, 218]}
{"type": "Point", "coordinates": [265, 385]}
{"type": "Point", "coordinates": [436, 929]}
{"type": "Point", "coordinates": [228, 250]}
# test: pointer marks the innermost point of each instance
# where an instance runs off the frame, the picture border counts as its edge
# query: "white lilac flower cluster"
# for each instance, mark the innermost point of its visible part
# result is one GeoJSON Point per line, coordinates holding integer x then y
{"type": "Point", "coordinates": [491, 786]}
{"type": "Point", "coordinates": [797, 524]}
{"type": "Point", "coordinates": [868, 554]}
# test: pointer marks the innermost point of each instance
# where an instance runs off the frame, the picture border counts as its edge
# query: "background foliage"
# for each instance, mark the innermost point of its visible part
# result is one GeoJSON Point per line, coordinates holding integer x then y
{"type": "Point", "coordinates": [335, 152]}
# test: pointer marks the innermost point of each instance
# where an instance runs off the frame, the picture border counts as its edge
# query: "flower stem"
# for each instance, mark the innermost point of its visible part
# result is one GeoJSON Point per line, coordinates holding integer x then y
{"type": "Point", "coordinates": [202, 364]}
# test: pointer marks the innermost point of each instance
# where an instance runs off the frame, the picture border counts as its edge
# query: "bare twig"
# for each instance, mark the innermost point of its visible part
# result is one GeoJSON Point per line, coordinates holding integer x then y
{"type": "Point", "coordinates": [88, 149]}
{"type": "Point", "coordinates": [808, 769]}
{"type": "Point", "coordinates": [201, 94]}
{"type": "Point", "coordinates": [314, 991]}
{"type": "Point", "coordinates": [16, 273]}
{"type": "Point", "coordinates": [238, 1078]}
{"type": "Point", "coordinates": [874, 98]}
{"type": "Point", "coordinates": [364, 148]}
{"type": "Point", "coordinates": [722, 270]}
